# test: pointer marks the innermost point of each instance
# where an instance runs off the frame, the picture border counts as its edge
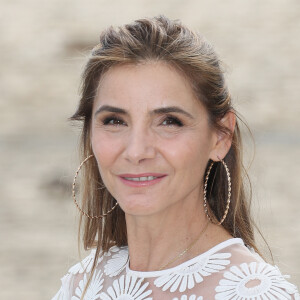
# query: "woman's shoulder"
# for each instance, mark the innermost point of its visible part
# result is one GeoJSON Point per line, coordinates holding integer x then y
{"type": "Point", "coordinates": [108, 264]}
{"type": "Point", "coordinates": [110, 261]}
{"type": "Point", "coordinates": [247, 274]}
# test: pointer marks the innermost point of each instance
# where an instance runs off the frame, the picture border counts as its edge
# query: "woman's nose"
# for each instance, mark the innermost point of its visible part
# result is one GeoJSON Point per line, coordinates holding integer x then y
{"type": "Point", "coordinates": [140, 146]}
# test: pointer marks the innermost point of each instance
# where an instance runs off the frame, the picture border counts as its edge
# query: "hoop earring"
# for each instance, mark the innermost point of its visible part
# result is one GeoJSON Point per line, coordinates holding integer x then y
{"type": "Point", "coordinates": [205, 192]}
{"type": "Point", "coordinates": [74, 197]}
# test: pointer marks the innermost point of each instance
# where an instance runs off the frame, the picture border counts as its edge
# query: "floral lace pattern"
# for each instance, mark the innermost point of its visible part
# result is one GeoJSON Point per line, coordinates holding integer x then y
{"type": "Point", "coordinates": [186, 277]}
{"type": "Point", "coordinates": [211, 275]}
{"type": "Point", "coordinates": [85, 265]}
{"type": "Point", "coordinates": [192, 297]}
{"type": "Point", "coordinates": [259, 281]}
{"type": "Point", "coordinates": [116, 264]}
{"type": "Point", "coordinates": [129, 287]}
{"type": "Point", "coordinates": [94, 289]}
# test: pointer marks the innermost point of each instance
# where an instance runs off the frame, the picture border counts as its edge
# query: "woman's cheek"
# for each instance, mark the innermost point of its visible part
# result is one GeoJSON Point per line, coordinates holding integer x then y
{"type": "Point", "coordinates": [104, 149]}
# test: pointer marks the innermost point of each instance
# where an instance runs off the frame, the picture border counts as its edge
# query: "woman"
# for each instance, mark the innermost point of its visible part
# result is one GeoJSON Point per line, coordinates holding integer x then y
{"type": "Point", "coordinates": [164, 207]}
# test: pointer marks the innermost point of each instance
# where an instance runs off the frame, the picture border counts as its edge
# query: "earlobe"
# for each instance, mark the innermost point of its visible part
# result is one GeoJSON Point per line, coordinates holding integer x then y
{"type": "Point", "coordinates": [224, 138]}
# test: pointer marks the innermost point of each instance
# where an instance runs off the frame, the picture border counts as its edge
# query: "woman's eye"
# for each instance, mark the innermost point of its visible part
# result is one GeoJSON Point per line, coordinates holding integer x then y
{"type": "Point", "coordinates": [113, 121]}
{"type": "Point", "coordinates": [171, 121]}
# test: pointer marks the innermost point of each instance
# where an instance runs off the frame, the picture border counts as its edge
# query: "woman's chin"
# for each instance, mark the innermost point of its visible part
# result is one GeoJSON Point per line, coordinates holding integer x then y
{"type": "Point", "coordinates": [139, 206]}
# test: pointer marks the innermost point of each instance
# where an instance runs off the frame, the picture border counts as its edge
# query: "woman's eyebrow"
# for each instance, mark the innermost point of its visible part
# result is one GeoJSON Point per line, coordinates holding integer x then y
{"type": "Point", "coordinates": [158, 111]}
{"type": "Point", "coordinates": [111, 109]}
{"type": "Point", "coordinates": [172, 109]}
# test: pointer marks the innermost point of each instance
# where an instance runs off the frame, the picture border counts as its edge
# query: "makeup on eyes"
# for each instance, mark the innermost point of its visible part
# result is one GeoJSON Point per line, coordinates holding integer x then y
{"type": "Point", "coordinates": [108, 121]}
{"type": "Point", "coordinates": [169, 120]}
{"type": "Point", "coordinates": [172, 120]}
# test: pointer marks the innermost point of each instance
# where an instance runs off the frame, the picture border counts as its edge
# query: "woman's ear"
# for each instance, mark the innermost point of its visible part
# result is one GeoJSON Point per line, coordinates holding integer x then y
{"type": "Point", "coordinates": [223, 140]}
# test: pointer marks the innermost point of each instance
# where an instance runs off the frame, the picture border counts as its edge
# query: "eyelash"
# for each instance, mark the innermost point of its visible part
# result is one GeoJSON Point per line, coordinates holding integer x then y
{"type": "Point", "coordinates": [175, 121]}
{"type": "Point", "coordinates": [107, 121]}
{"type": "Point", "coordinates": [171, 121]}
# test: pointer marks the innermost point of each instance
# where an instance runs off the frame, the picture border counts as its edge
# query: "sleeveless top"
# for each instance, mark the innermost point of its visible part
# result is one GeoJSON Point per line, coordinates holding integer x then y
{"type": "Point", "coordinates": [230, 270]}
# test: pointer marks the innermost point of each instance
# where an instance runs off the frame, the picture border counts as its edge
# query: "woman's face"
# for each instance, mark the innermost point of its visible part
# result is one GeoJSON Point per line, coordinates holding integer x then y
{"type": "Point", "coordinates": [151, 138]}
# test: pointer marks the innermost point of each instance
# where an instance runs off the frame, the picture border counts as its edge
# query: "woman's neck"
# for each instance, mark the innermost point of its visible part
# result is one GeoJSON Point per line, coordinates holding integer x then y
{"type": "Point", "coordinates": [156, 240]}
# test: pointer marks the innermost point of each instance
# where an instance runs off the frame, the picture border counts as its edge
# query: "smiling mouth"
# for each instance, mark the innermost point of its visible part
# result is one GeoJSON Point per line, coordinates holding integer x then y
{"type": "Point", "coordinates": [141, 180]}
{"type": "Point", "coordinates": [144, 178]}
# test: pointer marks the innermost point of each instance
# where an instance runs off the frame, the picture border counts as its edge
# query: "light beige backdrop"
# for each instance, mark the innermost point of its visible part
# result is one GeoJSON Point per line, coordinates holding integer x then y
{"type": "Point", "coordinates": [43, 46]}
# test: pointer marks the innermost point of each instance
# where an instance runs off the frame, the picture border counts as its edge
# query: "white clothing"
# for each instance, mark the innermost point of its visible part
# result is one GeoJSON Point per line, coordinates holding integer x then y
{"type": "Point", "coordinates": [230, 270]}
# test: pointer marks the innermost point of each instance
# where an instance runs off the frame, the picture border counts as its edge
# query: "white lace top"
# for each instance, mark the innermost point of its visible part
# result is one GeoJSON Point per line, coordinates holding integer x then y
{"type": "Point", "coordinates": [227, 271]}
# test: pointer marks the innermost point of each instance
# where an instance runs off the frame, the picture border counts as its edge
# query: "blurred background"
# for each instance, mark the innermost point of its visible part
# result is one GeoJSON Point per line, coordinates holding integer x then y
{"type": "Point", "coordinates": [43, 47]}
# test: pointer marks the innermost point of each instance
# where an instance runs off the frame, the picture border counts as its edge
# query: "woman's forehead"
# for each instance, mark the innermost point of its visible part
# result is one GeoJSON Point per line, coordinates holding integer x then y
{"type": "Point", "coordinates": [151, 84]}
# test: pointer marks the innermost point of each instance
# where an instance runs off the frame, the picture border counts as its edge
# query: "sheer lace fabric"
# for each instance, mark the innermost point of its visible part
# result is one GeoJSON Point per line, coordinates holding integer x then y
{"type": "Point", "coordinates": [227, 271]}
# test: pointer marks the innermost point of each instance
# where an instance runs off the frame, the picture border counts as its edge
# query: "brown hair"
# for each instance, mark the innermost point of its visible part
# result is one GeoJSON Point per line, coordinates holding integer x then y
{"type": "Point", "coordinates": [160, 39]}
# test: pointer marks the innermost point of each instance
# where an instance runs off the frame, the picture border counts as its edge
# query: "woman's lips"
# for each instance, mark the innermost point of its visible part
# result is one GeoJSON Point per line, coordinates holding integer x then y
{"type": "Point", "coordinates": [141, 180]}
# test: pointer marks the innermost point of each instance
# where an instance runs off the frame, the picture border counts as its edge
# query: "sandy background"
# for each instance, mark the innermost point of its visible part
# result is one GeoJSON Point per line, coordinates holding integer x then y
{"type": "Point", "coordinates": [43, 46]}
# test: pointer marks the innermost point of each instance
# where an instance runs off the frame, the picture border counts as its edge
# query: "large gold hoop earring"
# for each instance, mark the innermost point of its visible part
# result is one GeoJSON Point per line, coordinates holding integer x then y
{"type": "Point", "coordinates": [229, 193]}
{"type": "Point", "coordinates": [74, 196]}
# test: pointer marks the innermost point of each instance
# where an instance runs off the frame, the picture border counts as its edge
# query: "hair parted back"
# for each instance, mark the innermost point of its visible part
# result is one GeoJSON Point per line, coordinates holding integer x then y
{"type": "Point", "coordinates": [161, 39]}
